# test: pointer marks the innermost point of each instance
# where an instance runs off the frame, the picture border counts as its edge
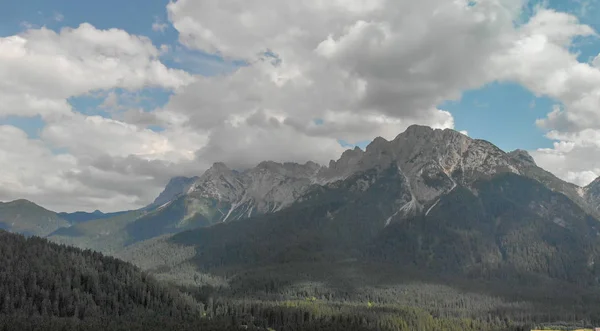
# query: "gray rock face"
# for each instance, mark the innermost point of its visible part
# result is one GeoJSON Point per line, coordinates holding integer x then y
{"type": "Point", "coordinates": [581, 196]}
{"type": "Point", "coordinates": [268, 187]}
{"type": "Point", "coordinates": [175, 187]}
{"type": "Point", "coordinates": [522, 156]}
{"type": "Point", "coordinates": [431, 161]}
{"type": "Point", "coordinates": [592, 194]}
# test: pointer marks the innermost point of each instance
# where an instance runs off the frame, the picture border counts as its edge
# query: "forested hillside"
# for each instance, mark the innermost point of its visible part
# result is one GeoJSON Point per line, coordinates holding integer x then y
{"type": "Point", "coordinates": [45, 286]}
{"type": "Point", "coordinates": [44, 280]}
{"type": "Point", "coordinates": [25, 217]}
{"type": "Point", "coordinates": [509, 237]}
{"type": "Point", "coordinates": [512, 227]}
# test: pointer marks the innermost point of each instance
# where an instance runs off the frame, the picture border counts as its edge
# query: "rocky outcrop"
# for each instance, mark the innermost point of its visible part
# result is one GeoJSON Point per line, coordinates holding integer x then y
{"type": "Point", "coordinates": [176, 187]}
{"type": "Point", "coordinates": [592, 194]}
{"type": "Point", "coordinates": [432, 162]}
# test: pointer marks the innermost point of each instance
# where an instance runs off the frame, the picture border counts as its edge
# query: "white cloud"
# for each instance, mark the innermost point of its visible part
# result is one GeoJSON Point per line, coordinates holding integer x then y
{"type": "Point", "coordinates": [41, 66]}
{"type": "Point", "coordinates": [39, 70]}
{"type": "Point", "coordinates": [574, 156]}
{"type": "Point", "coordinates": [364, 69]}
{"type": "Point", "coordinates": [109, 165]}
{"type": "Point", "coordinates": [317, 71]}
{"type": "Point", "coordinates": [389, 60]}
{"type": "Point", "coordinates": [541, 60]}
{"type": "Point", "coordinates": [596, 61]}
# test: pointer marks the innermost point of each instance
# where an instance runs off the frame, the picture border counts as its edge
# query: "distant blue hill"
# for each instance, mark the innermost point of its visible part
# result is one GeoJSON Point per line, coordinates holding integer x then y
{"type": "Point", "coordinates": [81, 216]}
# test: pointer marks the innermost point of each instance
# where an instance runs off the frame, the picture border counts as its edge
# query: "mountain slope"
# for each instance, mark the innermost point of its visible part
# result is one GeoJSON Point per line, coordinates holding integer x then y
{"type": "Point", "coordinates": [65, 282]}
{"type": "Point", "coordinates": [22, 216]}
{"type": "Point", "coordinates": [104, 235]}
{"type": "Point", "coordinates": [592, 195]}
{"type": "Point", "coordinates": [222, 194]}
{"type": "Point", "coordinates": [219, 195]}
{"type": "Point", "coordinates": [427, 163]}
{"type": "Point", "coordinates": [81, 216]}
{"type": "Point", "coordinates": [434, 199]}
{"type": "Point", "coordinates": [527, 167]}
{"type": "Point", "coordinates": [176, 216]}
{"type": "Point", "coordinates": [506, 225]}
{"type": "Point", "coordinates": [432, 160]}
{"type": "Point", "coordinates": [176, 187]}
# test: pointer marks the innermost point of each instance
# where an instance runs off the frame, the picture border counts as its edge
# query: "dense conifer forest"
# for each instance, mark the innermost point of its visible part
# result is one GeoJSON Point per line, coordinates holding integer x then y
{"type": "Point", "coordinates": [45, 286]}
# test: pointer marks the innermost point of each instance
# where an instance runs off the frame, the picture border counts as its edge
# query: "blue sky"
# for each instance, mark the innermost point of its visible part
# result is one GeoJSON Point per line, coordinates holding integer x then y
{"type": "Point", "coordinates": [488, 113]}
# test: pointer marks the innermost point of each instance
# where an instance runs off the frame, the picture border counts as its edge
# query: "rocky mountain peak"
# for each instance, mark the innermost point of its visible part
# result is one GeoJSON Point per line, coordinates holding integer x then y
{"type": "Point", "coordinates": [522, 156]}
{"type": "Point", "coordinates": [175, 187]}
{"type": "Point", "coordinates": [343, 167]}
{"type": "Point", "coordinates": [417, 130]}
{"type": "Point", "coordinates": [594, 184]}
{"type": "Point", "coordinates": [307, 170]}
{"type": "Point", "coordinates": [270, 165]}
{"type": "Point", "coordinates": [377, 144]}
{"type": "Point", "coordinates": [265, 188]}
{"type": "Point", "coordinates": [431, 161]}
{"type": "Point", "coordinates": [218, 168]}
{"type": "Point", "coordinates": [424, 135]}
{"type": "Point", "coordinates": [592, 194]}
{"type": "Point", "coordinates": [288, 169]}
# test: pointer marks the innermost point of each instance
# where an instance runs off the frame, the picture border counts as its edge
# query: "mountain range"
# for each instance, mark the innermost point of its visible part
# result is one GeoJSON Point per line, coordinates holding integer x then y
{"type": "Point", "coordinates": [25, 217]}
{"type": "Point", "coordinates": [431, 162]}
{"type": "Point", "coordinates": [435, 199]}
{"type": "Point", "coordinates": [431, 205]}
{"type": "Point", "coordinates": [430, 198]}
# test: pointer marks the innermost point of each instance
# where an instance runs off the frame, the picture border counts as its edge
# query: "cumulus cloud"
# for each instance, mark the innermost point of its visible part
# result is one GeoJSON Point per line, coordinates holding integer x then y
{"type": "Point", "coordinates": [108, 166]}
{"type": "Point", "coordinates": [540, 60]}
{"type": "Point", "coordinates": [314, 72]}
{"type": "Point", "coordinates": [596, 61]}
{"type": "Point", "coordinates": [364, 69]}
{"type": "Point", "coordinates": [77, 60]}
{"type": "Point", "coordinates": [322, 71]}
{"type": "Point", "coordinates": [40, 70]}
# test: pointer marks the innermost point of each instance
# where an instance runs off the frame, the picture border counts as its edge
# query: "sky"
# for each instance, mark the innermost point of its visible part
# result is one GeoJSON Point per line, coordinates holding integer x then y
{"type": "Point", "coordinates": [101, 103]}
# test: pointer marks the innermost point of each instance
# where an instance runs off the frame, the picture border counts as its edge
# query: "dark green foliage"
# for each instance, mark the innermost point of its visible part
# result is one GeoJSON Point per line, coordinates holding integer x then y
{"type": "Point", "coordinates": [71, 231]}
{"type": "Point", "coordinates": [45, 286]}
{"type": "Point", "coordinates": [38, 278]}
{"type": "Point", "coordinates": [264, 316]}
